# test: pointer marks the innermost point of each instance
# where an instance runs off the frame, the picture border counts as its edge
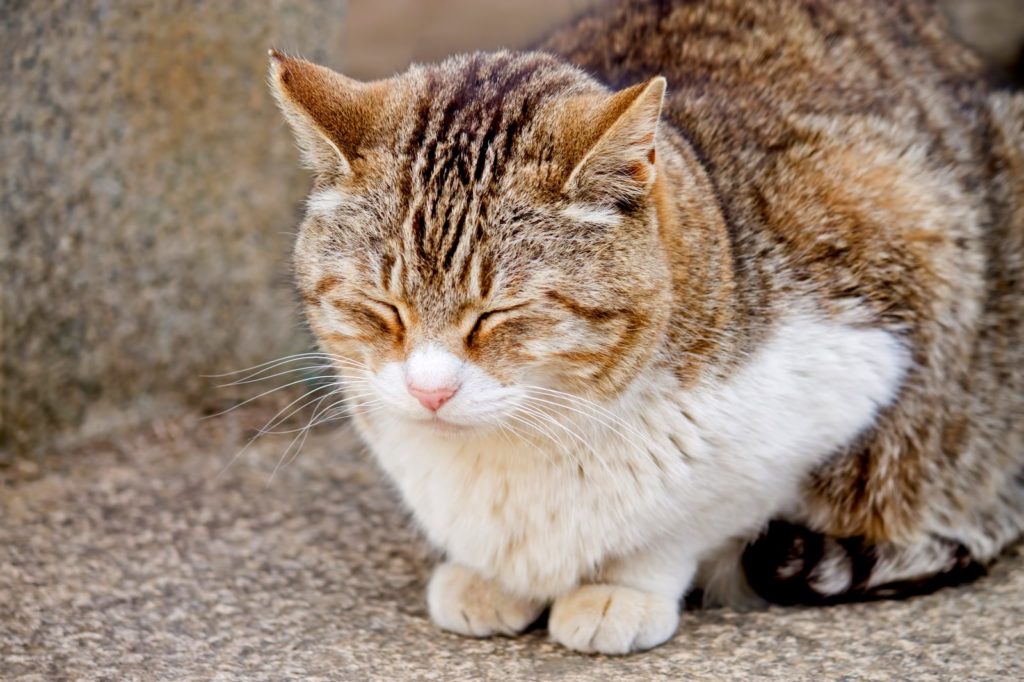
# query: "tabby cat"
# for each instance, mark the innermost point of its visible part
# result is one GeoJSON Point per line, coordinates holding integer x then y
{"type": "Point", "coordinates": [718, 294]}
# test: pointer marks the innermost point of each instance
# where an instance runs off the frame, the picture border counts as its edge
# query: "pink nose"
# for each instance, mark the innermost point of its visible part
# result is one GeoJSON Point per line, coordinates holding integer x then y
{"type": "Point", "coordinates": [433, 398]}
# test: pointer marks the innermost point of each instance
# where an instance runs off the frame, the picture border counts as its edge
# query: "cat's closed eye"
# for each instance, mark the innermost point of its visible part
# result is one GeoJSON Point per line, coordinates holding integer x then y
{"type": "Point", "coordinates": [388, 311]}
{"type": "Point", "coordinates": [488, 320]}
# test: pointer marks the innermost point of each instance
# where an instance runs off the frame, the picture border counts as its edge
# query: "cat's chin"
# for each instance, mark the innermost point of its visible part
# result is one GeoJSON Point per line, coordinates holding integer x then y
{"type": "Point", "coordinates": [448, 429]}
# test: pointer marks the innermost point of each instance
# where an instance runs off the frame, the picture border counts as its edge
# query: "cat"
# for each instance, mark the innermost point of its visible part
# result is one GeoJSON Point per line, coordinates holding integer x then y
{"type": "Point", "coordinates": [717, 294]}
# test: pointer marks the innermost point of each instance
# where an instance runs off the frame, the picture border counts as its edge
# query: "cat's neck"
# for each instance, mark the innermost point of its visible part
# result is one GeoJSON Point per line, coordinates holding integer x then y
{"type": "Point", "coordinates": [703, 330]}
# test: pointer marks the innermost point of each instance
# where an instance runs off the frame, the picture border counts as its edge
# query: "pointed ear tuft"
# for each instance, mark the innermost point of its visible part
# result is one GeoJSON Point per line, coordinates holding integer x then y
{"type": "Point", "coordinates": [332, 116]}
{"type": "Point", "coordinates": [620, 166]}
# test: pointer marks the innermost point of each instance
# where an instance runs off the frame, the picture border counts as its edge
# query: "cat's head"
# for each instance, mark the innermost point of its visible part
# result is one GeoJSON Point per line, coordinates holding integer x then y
{"type": "Point", "coordinates": [479, 231]}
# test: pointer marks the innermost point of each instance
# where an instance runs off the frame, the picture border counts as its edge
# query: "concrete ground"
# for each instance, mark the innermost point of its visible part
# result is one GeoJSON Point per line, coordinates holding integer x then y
{"type": "Point", "coordinates": [134, 558]}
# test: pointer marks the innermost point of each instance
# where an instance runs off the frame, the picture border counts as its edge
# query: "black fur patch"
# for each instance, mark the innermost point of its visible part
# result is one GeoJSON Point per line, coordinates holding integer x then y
{"type": "Point", "coordinates": [779, 565]}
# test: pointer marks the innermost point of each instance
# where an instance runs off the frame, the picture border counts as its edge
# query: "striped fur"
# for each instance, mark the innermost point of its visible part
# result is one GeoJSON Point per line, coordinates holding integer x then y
{"type": "Point", "coordinates": [789, 287]}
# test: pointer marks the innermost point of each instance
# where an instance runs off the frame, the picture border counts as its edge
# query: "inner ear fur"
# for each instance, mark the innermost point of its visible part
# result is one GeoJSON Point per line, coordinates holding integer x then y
{"type": "Point", "coordinates": [613, 141]}
{"type": "Point", "coordinates": [332, 116]}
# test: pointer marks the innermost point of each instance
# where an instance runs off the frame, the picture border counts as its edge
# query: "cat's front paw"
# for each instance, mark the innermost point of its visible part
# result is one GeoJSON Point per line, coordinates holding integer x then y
{"type": "Point", "coordinates": [464, 602]}
{"type": "Point", "coordinates": [610, 619]}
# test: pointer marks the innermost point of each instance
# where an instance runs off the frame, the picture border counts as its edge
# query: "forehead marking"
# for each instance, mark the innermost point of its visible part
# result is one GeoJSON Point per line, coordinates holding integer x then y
{"type": "Point", "coordinates": [467, 136]}
{"type": "Point", "coordinates": [460, 143]}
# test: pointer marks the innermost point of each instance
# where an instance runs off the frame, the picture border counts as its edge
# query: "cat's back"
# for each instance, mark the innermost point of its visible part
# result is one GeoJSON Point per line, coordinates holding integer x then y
{"type": "Point", "coordinates": [808, 55]}
{"type": "Point", "coordinates": [829, 129]}
{"type": "Point", "coordinates": [748, 80]}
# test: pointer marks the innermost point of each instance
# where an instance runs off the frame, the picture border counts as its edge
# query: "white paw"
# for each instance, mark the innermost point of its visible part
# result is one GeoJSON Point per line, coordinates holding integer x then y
{"type": "Point", "coordinates": [610, 619]}
{"type": "Point", "coordinates": [461, 601]}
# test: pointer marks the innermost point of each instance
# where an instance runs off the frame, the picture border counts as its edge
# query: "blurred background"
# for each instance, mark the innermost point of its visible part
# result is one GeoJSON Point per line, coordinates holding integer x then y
{"type": "Point", "coordinates": [150, 189]}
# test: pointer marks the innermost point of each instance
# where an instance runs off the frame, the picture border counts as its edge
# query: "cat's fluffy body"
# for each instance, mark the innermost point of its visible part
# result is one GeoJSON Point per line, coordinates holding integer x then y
{"type": "Point", "coordinates": [798, 295]}
{"type": "Point", "coordinates": [675, 473]}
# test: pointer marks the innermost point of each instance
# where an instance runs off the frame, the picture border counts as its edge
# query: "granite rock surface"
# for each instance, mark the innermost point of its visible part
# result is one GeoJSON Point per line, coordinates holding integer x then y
{"type": "Point", "coordinates": [150, 189]}
{"type": "Point", "coordinates": [153, 556]}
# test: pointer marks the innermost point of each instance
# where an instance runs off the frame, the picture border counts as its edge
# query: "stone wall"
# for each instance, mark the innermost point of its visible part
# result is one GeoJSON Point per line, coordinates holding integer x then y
{"type": "Point", "coordinates": [994, 27]}
{"type": "Point", "coordinates": [149, 185]}
{"type": "Point", "coordinates": [149, 189]}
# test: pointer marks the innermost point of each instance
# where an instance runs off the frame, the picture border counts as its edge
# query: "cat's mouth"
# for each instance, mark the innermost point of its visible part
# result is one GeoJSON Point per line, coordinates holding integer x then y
{"type": "Point", "coordinates": [442, 426]}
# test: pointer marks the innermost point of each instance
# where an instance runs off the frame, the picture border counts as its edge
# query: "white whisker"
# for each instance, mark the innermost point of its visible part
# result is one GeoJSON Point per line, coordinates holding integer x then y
{"type": "Point", "coordinates": [271, 423]}
{"type": "Point", "coordinates": [284, 360]}
{"type": "Point", "coordinates": [588, 404]}
{"type": "Point", "coordinates": [307, 368]}
{"type": "Point", "coordinates": [268, 392]}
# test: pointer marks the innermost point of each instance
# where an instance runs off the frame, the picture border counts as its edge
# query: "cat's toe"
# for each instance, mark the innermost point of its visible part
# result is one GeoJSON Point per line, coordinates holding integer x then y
{"type": "Point", "coordinates": [610, 619]}
{"type": "Point", "coordinates": [463, 602]}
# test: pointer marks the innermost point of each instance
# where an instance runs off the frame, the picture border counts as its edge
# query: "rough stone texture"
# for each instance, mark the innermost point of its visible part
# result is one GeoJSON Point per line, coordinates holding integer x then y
{"type": "Point", "coordinates": [994, 27]}
{"type": "Point", "coordinates": [137, 560]}
{"type": "Point", "coordinates": [148, 197]}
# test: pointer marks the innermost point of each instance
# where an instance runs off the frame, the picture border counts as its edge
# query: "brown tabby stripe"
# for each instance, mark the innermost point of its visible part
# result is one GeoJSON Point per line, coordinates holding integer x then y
{"type": "Point", "coordinates": [462, 131]}
{"type": "Point", "coordinates": [593, 314]}
{"type": "Point", "coordinates": [364, 316]}
{"type": "Point", "coordinates": [326, 284]}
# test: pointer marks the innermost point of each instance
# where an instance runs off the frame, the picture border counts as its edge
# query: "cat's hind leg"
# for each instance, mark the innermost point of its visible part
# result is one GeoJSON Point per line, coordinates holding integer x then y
{"type": "Point", "coordinates": [790, 564]}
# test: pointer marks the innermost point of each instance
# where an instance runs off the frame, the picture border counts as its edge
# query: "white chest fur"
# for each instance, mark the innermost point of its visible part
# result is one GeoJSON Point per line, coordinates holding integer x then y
{"type": "Point", "coordinates": [689, 468]}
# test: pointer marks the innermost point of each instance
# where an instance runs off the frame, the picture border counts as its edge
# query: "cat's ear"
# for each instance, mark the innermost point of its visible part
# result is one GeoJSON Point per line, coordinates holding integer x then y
{"type": "Point", "coordinates": [332, 116]}
{"type": "Point", "coordinates": [620, 165]}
